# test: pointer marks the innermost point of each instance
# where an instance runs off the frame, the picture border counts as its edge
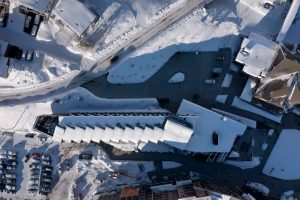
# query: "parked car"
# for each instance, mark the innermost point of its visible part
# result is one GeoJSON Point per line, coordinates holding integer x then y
{"type": "Point", "coordinates": [210, 81]}
{"type": "Point", "coordinates": [34, 165]}
{"type": "Point", "coordinates": [3, 152]}
{"type": "Point", "coordinates": [33, 181]}
{"type": "Point", "coordinates": [220, 58]}
{"type": "Point", "coordinates": [46, 157]}
{"type": "Point", "coordinates": [12, 162]}
{"type": "Point", "coordinates": [47, 180]}
{"type": "Point", "coordinates": [45, 162]}
{"type": "Point", "coordinates": [48, 168]}
{"type": "Point", "coordinates": [85, 156]}
{"type": "Point", "coordinates": [2, 166]}
{"type": "Point", "coordinates": [45, 189]}
{"type": "Point", "coordinates": [27, 21]}
{"type": "Point", "coordinates": [10, 175]}
{"type": "Point", "coordinates": [23, 57]}
{"type": "Point", "coordinates": [34, 187]}
{"type": "Point", "coordinates": [35, 171]}
{"type": "Point", "coordinates": [268, 5]}
{"type": "Point", "coordinates": [34, 30]}
{"type": "Point", "coordinates": [11, 167]}
{"type": "Point", "coordinates": [30, 57]}
{"type": "Point", "coordinates": [37, 19]}
{"type": "Point", "coordinates": [11, 180]}
{"type": "Point", "coordinates": [46, 185]}
{"type": "Point", "coordinates": [32, 190]}
{"type": "Point", "coordinates": [46, 173]}
{"type": "Point", "coordinates": [12, 153]}
{"type": "Point", "coordinates": [3, 171]}
{"type": "Point", "coordinates": [12, 157]}
{"type": "Point", "coordinates": [10, 187]}
{"type": "Point", "coordinates": [36, 176]}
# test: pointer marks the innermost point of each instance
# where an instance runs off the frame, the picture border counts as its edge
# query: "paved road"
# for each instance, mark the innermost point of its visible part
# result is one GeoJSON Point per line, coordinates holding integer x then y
{"type": "Point", "coordinates": [90, 71]}
{"type": "Point", "coordinates": [196, 68]}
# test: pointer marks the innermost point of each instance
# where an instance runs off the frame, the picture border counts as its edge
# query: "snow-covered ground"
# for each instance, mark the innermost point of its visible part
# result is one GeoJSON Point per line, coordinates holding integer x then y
{"type": "Point", "coordinates": [284, 161]}
{"type": "Point", "coordinates": [219, 25]}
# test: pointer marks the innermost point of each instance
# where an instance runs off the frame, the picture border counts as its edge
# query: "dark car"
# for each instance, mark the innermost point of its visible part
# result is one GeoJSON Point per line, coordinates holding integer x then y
{"type": "Point", "coordinates": [114, 59]}
{"type": "Point", "coordinates": [36, 155]}
{"type": "Point", "coordinates": [46, 185]}
{"type": "Point", "coordinates": [46, 173]}
{"type": "Point", "coordinates": [85, 156]}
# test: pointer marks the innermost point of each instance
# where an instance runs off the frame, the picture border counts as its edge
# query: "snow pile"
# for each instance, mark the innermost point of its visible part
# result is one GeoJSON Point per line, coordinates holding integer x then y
{"type": "Point", "coordinates": [177, 78]}
{"type": "Point", "coordinates": [244, 164]}
{"type": "Point", "coordinates": [259, 187]}
{"type": "Point", "coordinates": [101, 174]}
{"type": "Point", "coordinates": [41, 69]}
{"type": "Point", "coordinates": [44, 33]}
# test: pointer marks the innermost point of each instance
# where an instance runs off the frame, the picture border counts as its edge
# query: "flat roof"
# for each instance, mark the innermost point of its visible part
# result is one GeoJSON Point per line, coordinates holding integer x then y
{"type": "Point", "coordinates": [257, 54]}
{"type": "Point", "coordinates": [74, 14]}
{"type": "Point", "coordinates": [284, 160]}
{"type": "Point", "coordinates": [206, 124]}
{"type": "Point", "coordinates": [41, 6]}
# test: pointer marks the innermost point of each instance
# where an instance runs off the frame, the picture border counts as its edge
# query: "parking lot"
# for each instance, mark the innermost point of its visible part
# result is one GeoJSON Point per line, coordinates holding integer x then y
{"type": "Point", "coordinates": [40, 173]}
{"type": "Point", "coordinates": [26, 167]}
{"type": "Point", "coordinates": [204, 74]}
{"type": "Point", "coordinates": [8, 170]}
{"type": "Point", "coordinates": [32, 23]}
{"type": "Point", "coordinates": [4, 12]}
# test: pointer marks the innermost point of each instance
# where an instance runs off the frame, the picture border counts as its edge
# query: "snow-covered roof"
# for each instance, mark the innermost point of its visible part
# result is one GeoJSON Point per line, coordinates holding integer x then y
{"type": "Point", "coordinates": [112, 120]}
{"type": "Point", "coordinates": [284, 161]}
{"type": "Point", "coordinates": [176, 134]}
{"type": "Point", "coordinates": [206, 124]}
{"type": "Point", "coordinates": [74, 14]}
{"type": "Point", "coordinates": [41, 6]}
{"type": "Point", "coordinates": [248, 90]}
{"type": "Point", "coordinates": [257, 53]}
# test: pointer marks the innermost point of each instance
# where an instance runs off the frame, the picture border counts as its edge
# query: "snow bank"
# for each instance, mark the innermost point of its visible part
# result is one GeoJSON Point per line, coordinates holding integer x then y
{"type": "Point", "coordinates": [238, 103]}
{"type": "Point", "coordinates": [177, 78]}
{"type": "Point", "coordinates": [244, 164]}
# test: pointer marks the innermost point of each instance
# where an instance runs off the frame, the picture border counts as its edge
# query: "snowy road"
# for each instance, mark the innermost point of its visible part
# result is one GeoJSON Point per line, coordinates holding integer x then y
{"type": "Point", "coordinates": [75, 79]}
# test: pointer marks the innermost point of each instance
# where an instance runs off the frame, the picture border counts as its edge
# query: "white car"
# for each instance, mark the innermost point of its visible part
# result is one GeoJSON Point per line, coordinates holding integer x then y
{"type": "Point", "coordinates": [34, 181]}
{"type": "Point", "coordinates": [37, 19]}
{"type": "Point", "coordinates": [12, 153]}
{"type": "Point", "coordinates": [10, 175]}
{"type": "Point", "coordinates": [27, 22]}
{"type": "Point", "coordinates": [29, 55]}
{"type": "Point", "coordinates": [24, 54]}
{"type": "Point", "coordinates": [34, 30]}
{"type": "Point", "coordinates": [3, 152]}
